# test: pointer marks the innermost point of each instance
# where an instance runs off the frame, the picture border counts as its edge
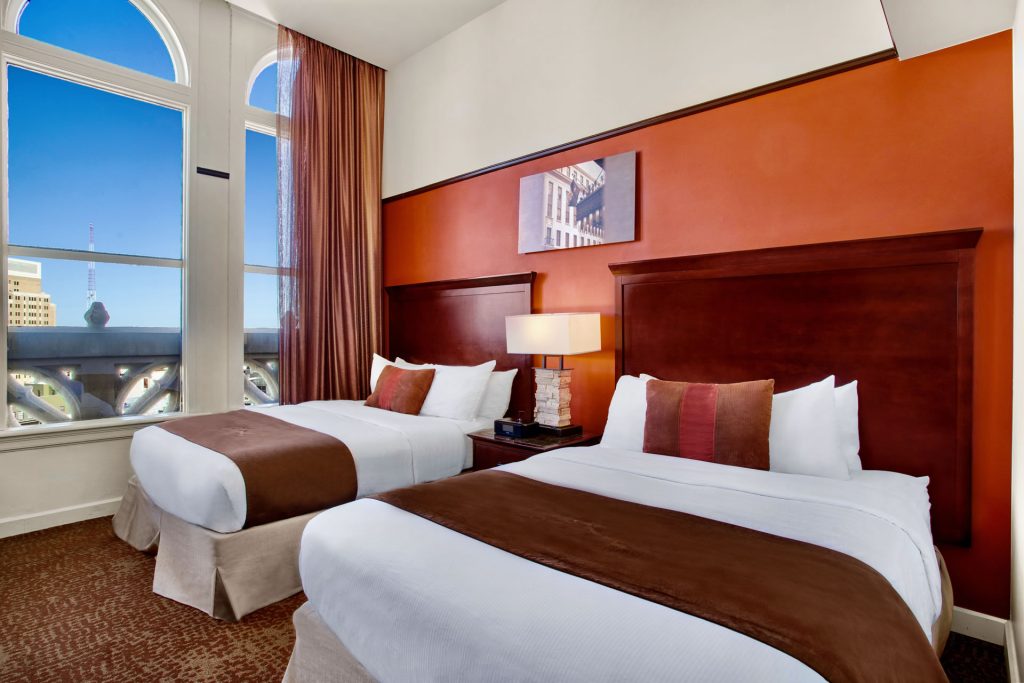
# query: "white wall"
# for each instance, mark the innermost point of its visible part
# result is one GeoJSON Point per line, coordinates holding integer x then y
{"type": "Point", "coordinates": [531, 74]}
{"type": "Point", "coordinates": [72, 472]}
{"type": "Point", "coordinates": [1015, 644]}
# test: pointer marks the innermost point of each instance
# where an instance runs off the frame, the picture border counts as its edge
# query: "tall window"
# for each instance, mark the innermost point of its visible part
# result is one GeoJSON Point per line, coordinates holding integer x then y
{"type": "Point", "coordinates": [262, 324]}
{"type": "Point", "coordinates": [95, 222]}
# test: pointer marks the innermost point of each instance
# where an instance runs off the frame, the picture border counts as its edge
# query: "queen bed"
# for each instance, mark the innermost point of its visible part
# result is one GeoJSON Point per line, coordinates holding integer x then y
{"type": "Point", "coordinates": [428, 583]}
{"type": "Point", "coordinates": [226, 527]}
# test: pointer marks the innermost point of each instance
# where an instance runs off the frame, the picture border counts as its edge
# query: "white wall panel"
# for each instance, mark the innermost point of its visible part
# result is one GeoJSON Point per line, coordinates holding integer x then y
{"type": "Point", "coordinates": [532, 74]}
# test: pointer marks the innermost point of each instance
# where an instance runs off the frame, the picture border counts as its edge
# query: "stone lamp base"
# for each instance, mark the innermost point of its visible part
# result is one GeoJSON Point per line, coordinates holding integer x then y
{"type": "Point", "coordinates": [552, 401]}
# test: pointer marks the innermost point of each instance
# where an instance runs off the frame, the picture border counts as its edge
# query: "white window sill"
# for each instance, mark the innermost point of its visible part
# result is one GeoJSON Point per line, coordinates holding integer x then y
{"type": "Point", "coordinates": [84, 431]}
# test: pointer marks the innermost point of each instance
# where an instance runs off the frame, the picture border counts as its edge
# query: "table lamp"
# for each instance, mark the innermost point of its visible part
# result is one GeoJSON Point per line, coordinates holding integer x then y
{"type": "Point", "coordinates": [554, 334]}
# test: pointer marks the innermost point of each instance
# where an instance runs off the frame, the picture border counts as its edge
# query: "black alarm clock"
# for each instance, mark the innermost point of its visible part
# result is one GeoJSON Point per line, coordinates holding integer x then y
{"type": "Point", "coordinates": [515, 429]}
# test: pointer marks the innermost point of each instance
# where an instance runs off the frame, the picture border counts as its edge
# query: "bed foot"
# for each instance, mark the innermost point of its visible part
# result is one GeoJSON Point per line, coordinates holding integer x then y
{"type": "Point", "coordinates": [318, 656]}
{"type": "Point", "coordinates": [228, 575]}
{"type": "Point", "coordinates": [137, 520]}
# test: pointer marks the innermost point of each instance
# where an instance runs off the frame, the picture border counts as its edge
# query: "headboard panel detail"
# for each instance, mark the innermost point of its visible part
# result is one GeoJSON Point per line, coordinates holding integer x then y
{"type": "Point", "coordinates": [896, 314]}
{"type": "Point", "coordinates": [462, 322]}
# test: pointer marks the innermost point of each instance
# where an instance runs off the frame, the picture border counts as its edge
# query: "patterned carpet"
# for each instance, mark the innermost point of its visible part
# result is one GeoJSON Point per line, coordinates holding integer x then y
{"type": "Point", "coordinates": [76, 605]}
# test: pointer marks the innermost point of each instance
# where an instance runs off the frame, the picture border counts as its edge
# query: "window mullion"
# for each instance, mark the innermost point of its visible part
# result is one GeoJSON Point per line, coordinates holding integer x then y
{"type": "Point", "coordinates": [93, 256]}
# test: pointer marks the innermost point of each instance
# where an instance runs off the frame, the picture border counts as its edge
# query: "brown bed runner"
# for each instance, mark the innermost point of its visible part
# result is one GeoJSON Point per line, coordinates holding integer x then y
{"type": "Point", "coordinates": [288, 470]}
{"type": "Point", "coordinates": [832, 612]}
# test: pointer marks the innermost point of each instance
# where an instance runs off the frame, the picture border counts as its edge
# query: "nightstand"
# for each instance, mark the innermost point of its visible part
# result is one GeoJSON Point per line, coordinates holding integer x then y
{"type": "Point", "coordinates": [490, 450]}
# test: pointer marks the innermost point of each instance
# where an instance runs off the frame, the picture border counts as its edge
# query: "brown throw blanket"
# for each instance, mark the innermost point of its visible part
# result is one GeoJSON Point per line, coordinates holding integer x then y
{"type": "Point", "coordinates": [288, 470]}
{"type": "Point", "coordinates": [832, 612]}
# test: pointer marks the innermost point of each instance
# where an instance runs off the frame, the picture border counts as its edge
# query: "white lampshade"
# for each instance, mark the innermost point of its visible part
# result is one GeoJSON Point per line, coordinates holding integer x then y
{"type": "Point", "coordinates": [553, 334]}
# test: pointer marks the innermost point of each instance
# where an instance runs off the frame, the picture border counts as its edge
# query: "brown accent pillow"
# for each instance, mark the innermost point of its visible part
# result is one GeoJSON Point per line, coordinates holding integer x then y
{"type": "Point", "coordinates": [400, 390]}
{"type": "Point", "coordinates": [723, 423]}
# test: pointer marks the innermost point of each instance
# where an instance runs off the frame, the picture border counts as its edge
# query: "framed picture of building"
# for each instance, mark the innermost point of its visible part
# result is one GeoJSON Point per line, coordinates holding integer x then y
{"type": "Point", "coordinates": [583, 205]}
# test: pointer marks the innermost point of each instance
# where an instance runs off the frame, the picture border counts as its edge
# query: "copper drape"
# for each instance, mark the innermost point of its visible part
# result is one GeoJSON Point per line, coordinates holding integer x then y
{"type": "Point", "coordinates": [330, 127]}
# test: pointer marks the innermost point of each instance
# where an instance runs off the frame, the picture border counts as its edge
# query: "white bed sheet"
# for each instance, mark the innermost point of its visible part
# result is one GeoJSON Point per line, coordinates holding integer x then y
{"type": "Point", "coordinates": [413, 600]}
{"type": "Point", "coordinates": [390, 450]}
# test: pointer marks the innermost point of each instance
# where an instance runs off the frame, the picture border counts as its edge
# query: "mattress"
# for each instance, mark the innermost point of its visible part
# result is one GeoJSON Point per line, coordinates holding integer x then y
{"type": "Point", "coordinates": [412, 600]}
{"type": "Point", "coordinates": [390, 450]}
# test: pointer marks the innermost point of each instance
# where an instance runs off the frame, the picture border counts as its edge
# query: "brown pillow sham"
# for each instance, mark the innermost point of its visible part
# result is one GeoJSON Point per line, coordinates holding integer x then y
{"type": "Point", "coordinates": [723, 423]}
{"type": "Point", "coordinates": [400, 390]}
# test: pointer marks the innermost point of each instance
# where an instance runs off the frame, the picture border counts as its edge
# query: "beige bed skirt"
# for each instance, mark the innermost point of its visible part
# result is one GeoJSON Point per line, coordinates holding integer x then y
{"type": "Point", "coordinates": [228, 575]}
{"type": "Point", "coordinates": [225, 575]}
{"type": "Point", "coordinates": [318, 656]}
{"type": "Point", "coordinates": [137, 520]}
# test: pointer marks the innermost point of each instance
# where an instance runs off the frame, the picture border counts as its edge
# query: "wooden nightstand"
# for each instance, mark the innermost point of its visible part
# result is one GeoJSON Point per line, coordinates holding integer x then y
{"type": "Point", "coordinates": [490, 450]}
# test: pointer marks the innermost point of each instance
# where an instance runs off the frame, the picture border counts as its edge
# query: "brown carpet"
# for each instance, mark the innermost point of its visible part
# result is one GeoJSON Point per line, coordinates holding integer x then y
{"type": "Point", "coordinates": [76, 605]}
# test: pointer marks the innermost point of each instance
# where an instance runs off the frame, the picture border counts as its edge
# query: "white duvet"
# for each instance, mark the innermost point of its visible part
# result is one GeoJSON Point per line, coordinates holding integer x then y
{"type": "Point", "coordinates": [414, 601]}
{"type": "Point", "coordinates": [390, 450]}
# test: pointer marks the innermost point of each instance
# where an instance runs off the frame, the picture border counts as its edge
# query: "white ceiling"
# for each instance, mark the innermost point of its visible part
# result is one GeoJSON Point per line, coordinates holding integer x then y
{"type": "Point", "coordinates": [922, 26]}
{"type": "Point", "coordinates": [383, 32]}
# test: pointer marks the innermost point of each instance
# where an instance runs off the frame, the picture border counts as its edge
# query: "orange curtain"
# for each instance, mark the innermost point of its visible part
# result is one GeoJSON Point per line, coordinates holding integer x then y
{"type": "Point", "coordinates": [330, 130]}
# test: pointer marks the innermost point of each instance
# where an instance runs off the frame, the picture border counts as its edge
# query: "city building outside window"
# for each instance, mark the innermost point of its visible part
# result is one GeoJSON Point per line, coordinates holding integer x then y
{"type": "Point", "coordinates": [550, 197]}
{"type": "Point", "coordinates": [95, 220]}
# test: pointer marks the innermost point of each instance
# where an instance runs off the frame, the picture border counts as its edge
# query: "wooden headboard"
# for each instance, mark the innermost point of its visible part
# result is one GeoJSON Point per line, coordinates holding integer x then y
{"type": "Point", "coordinates": [462, 322]}
{"type": "Point", "coordinates": [894, 313]}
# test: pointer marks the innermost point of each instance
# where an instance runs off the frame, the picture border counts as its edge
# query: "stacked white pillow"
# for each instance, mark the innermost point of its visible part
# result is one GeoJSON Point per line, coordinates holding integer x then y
{"type": "Point", "coordinates": [814, 429]}
{"type": "Point", "coordinates": [804, 433]}
{"type": "Point", "coordinates": [459, 392]}
{"type": "Point", "coordinates": [627, 414]}
{"type": "Point", "coordinates": [498, 394]}
{"type": "Point", "coordinates": [847, 412]}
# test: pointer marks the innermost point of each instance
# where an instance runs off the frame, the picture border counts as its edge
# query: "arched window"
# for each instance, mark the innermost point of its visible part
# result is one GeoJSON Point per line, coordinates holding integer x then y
{"type": "Point", "coordinates": [95, 214]}
{"type": "Point", "coordinates": [116, 31]}
{"type": "Point", "coordinates": [263, 90]}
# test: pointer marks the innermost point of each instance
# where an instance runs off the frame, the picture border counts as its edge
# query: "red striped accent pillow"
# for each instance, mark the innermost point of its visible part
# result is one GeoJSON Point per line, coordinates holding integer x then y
{"type": "Point", "coordinates": [400, 390]}
{"type": "Point", "coordinates": [723, 423]}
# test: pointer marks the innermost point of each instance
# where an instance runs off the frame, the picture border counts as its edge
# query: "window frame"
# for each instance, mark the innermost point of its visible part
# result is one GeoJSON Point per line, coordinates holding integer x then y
{"type": "Point", "coordinates": [263, 122]}
{"type": "Point", "coordinates": [56, 62]}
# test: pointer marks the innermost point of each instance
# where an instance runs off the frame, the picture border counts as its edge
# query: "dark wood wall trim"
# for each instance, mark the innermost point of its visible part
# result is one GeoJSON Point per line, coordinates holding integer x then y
{"type": "Point", "coordinates": [866, 60]}
{"type": "Point", "coordinates": [466, 283]}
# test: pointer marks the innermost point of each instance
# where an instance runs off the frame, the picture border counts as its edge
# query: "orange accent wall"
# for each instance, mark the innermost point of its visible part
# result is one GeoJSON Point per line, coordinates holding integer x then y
{"type": "Point", "coordinates": [894, 148]}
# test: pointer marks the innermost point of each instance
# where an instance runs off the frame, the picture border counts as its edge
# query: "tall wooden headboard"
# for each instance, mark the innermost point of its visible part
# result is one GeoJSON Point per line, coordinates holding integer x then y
{"type": "Point", "coordinates": [462, 322]}
{"type": "Point", "coordinates": [896, 314]}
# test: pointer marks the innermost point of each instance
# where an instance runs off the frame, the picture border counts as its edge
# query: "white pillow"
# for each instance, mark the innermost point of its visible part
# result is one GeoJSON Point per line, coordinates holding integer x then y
{"type": "Point", "coordinates": [804, 434]}
{"type": "Point", "coordinates": [627, 414]}
{"type": "Point", "coordinates": [847, 407]}
{"type": "Point", "coordinates": [457, 390]}
{"type": "Point", "coordinates": [498, 394]}
{"type": "Point", "coordinates": [377, 367]}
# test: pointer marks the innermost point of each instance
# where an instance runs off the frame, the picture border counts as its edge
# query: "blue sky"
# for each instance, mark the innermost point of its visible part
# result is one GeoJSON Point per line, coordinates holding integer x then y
{"type": "Point", "coordinates": [78, 155]}
{"type": "Point", "coordinates": [260, 228]}
{"type": "Point", "coordinates": [264, 89]}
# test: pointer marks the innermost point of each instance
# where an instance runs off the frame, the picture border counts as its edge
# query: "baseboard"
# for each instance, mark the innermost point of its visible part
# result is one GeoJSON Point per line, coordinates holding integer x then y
{"type": "Point", "coordinates": [23, 524]}
{"type": "Point", "coordinates": [981, 626]}
{"type": "Point", "coordinates": [1012, 668]}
